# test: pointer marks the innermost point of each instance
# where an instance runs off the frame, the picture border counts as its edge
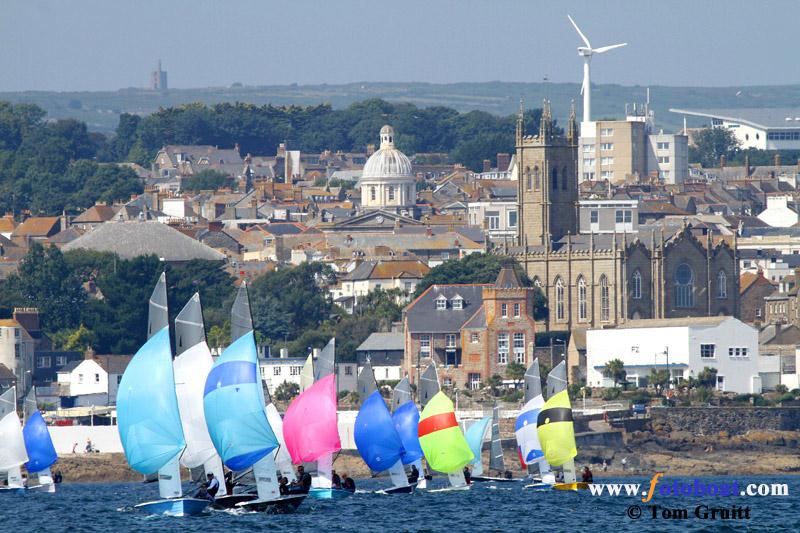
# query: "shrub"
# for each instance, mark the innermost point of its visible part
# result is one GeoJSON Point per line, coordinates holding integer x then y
{"type": "Point", "coordinates": [513, 396]}
{"type": "Point", "coordinates": [612, 393]}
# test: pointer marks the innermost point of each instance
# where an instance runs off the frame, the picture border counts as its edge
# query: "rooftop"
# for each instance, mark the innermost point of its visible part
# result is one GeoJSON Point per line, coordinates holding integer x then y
{"type": "Point", "coordinates": [764, 118]}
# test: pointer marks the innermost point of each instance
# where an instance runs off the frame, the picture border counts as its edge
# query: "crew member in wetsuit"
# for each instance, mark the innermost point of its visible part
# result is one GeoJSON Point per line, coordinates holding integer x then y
{"type": "Point", "coordinates": [336, 481]}
{"type": "Point", "coordinates": [348, 483]}
{"type": "Point", "coordinates": [414, 475]}
{"type": "Point", "coordinates": [467, 475]}
{"type": "Point", "coordinates": [586, 476]}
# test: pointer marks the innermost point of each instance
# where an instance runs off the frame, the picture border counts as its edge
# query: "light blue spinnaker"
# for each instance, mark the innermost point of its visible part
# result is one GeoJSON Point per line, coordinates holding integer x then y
{"type": "Point", "coordinates": [474, 436]}
{"type": "Point", "coordinates": [147, 407]}
{"type": "Point", "coordinates": [406, 422]}
{"type": "Point", "coordinates": [233, 400]}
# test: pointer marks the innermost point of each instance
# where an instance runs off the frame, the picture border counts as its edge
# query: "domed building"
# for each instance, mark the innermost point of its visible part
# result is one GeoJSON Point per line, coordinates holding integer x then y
{"type": "Point", "coordinates": [387, 182]}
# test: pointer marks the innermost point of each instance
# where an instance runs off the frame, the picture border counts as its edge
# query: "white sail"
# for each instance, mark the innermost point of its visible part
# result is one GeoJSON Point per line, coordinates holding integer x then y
{"type": "Point", "coordinates": [12, 443]}
{"type": "Point", "coordinates": [398, 474]}
{"type": "Point", "coordinates": [265, 473]}
{"type": "Point", "coordinates": [282, 459]}
{"type": "Point", "coordinates": [307, 373]}
{"type": "Point", "coordinates": [324, 472]}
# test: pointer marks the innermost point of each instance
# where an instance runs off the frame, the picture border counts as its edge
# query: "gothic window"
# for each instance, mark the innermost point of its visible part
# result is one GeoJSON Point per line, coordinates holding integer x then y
{"type": "Point", "coordinates": [528, 178]}
{"type": "Point", "coordinates": [559, 299]}
{"type": "Point", "coordinates": [581, 298]}
{"type": "Point", "coordinates": [605, 302]}
{"type": "Point", "coordinates": [684, 286]}
{"type": "Point", "coordinates": [537, 179]}
{"type": "Point", "coordinates": [554, 178]}
{"type": "Point", "coordinates": [636, 285]}
{"type": "Point", "coordinates": [564, 178]}
{"type": "Point", "coordinates": [372, 194]}
{"type": "Point", "coordinates": [722, 285]}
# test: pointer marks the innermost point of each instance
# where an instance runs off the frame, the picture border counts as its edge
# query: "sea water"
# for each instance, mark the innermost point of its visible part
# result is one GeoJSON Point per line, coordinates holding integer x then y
{"type": "Point", "coordinates": [486, 507]}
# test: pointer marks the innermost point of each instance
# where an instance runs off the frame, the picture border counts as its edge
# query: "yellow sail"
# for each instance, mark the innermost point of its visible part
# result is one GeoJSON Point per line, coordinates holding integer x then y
{"type": "Point", "coordinates": [556, 431]}
{"type": "Point", "coordinates": [440, 438]}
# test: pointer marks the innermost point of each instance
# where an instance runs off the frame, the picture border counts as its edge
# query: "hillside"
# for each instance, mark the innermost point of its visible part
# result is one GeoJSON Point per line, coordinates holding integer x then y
{"type": "Point", "coordinates": [100, 110]}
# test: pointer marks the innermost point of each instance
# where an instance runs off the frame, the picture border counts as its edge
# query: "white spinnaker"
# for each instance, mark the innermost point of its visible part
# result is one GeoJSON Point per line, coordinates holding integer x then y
{"type": "Point", "coordinates": [282, 459]}
{"type": "Point", "coordinates": [191, 370]}
{"type": "Point", "coordinates": [12, 444]}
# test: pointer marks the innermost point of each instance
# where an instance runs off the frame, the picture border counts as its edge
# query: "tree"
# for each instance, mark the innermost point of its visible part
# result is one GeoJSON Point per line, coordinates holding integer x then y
{"type": "Point", "coordinates": [206, 180]}
{"type": "Point", "coordinates": [495, 383]}
{"type": "Point", "coordinates": [286, 391]}
{"type": "Point", "coordinates": [707, 377]}
{"type": "Point", "coordinates": [659, 378]}
{"type": "Point", "coordinates": [79, 340]}
{"type": "Point", "coordinates": [516, 372]}
{"type": "Point", "coordinates": [710, 144]}
{"type": "Point", "coordinates": [615, 369]}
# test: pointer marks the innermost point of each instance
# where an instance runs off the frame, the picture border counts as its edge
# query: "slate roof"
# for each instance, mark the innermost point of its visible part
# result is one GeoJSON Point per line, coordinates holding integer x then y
{"type": "Point", "coordinates": [382, 341]}
{"type": "Point", "coordinates": [134, 239]}
{"type": "Point", "coordinates": [423, 317]}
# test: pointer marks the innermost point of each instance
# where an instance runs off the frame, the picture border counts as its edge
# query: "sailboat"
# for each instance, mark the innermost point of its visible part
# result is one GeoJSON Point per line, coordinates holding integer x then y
{"type": "Point", "coordinates": [376, 437]}
{"type": "Point", "coordinates": [556, 430]}
{"type": "Point", "coordinates": [440, 436]}
{"type": "Point", "coordinates": [475, 434]}
{"type": "Point", "coordinates": [149, 419]}
{"type": "Point", "coordinates": [234, 404]}
{"type": "Point", "coordinates": [12, 450]}
{"type": "Point", "coordinates": [405, 417]}
{"type": "Point", "coordinates": [192, 364]}
{"type": "Point", "coordinates": [41, 452]}
{"type": "Point", "coordinates": [496, 459]}
{"type": "Point", "coordinates": [310, 427]}
{"type": "Point", "coordinates": [528, 446]}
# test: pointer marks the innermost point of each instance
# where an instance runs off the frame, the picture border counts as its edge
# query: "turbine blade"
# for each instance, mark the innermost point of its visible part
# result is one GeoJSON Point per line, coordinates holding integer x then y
{"type": "Point", "coordinates": [585, 40]}
{"type": "Point", "coordinates": [607, 48]}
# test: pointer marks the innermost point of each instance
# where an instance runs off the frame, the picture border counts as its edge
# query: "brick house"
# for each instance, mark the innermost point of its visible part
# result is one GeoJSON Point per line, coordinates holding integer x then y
{"type": "Point", "coordinates": [471, 332]}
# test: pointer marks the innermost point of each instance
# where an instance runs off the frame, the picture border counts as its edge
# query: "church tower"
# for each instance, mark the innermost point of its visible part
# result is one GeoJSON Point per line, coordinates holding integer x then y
{"type": "Point", "coordinates": [547, 182]}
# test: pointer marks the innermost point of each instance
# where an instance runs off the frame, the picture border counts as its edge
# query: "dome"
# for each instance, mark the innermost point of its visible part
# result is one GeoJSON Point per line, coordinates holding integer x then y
{"type": "Point", "coordinates": [388, 161]}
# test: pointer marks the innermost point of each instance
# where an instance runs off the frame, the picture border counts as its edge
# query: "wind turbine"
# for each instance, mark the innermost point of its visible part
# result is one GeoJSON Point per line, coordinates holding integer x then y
{"type": "Point", "coordinates": [586, 53]}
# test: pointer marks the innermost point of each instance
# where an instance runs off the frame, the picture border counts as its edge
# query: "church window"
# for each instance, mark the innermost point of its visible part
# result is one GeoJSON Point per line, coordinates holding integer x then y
{"type": "Point", "coordinates": [554, 178]}
{"type": "Point", "coordinates": [528, 178]}
{"type": "Point", "coordinates": [559, 299]}
{"type": "Point", "coordinates": [391, 192]}
{"type": "Point", "coordinates": [636, 285]}
{"type": "Point", "coordinates": [372, 194]}
{"type": "Point", "coordinates": [581, 298]}
{"type": "Point", "coordinates": [564, 178]}
{"type": "Point", "coordinates": [536, 179]}
{"type": "Point", "coordinates": [684, 286]}
{"type": "Point", "coordinates": [605, 302]}
{"type": "Point", "coordinates": [722, 285]}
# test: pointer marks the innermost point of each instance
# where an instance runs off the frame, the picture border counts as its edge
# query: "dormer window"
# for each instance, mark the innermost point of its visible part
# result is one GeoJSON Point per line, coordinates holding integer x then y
{"type": "Point", "coordinates": [458, 302]}
{"type": "Point", "coordinates": [441, 302]}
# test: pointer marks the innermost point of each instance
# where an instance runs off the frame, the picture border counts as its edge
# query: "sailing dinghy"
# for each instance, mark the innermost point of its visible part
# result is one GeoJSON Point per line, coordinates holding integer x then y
{"type": "Point", "coordinates": [376, 437]}
{"type": "Point", "coordinates": [12, 443]}
{"type": "Point", "coordinates": [528, 446]}
{"type": "Point", "coordinates": [496, 460]}
{"type": "Point", "coordinates": [148, 415]}
{"type": "Point", "coordinates": [405, 417]}
{"type": "Point", "coordinates": [556, 430]}
{"type": "Point", "coordinates": [41, 452]}
{"type": "Point", "coordinates": [234, 405]}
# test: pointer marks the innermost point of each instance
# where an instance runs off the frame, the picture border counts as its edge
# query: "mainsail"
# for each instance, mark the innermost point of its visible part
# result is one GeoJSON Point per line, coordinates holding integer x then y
{"type": "Point", "coordinates": [12, 450]}
{"type": "Point", "coordinates": [366, 382]}
{"type": "Point", "coordinates": [496, 460]}
{"type": "Point", "coordinates": [525, 427]}
{"type": "Point", "coordinates": [39, 445]}
{"type": "Point", "coordinates": [310, 425]}
{"type": "Point", "coordinates": [401, 393]}
{"type": "Point", "coordinates": [149, 421]}
{"type": "Point", "coordinates": [428, 385]}
{"type": "Point", "coordinates": [440, 437]}
{"type": "Point", "coordinates": [325, 363]}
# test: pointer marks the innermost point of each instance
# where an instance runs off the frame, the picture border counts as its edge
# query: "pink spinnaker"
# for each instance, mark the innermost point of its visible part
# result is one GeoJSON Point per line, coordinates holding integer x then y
{"type": "Point", "coordinates": [310, 429]}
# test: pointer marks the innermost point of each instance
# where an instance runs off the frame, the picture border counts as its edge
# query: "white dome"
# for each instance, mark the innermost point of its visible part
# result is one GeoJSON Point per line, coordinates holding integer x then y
{"type": "Point", "coordinates": [388, 162]}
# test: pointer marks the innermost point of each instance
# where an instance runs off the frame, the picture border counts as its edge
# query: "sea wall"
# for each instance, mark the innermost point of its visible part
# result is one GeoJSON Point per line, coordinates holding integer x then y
{"type": "Point", "coordinates": [733, 420]}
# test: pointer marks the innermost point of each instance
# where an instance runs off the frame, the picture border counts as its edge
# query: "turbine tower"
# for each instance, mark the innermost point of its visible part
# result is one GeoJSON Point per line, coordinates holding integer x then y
{"type": "Point", "coordinates": [586, 53]}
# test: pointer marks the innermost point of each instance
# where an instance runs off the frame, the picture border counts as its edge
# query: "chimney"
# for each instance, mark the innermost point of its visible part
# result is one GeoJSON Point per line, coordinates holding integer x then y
{"type": "Point", "coordinates": [487, 165]}
{"type": "Point", "coordinates": [89, 354]}
{"type": "Point", "coordinates": [747, 164]}
{"type": "Point", "coordinates": [503, 162]}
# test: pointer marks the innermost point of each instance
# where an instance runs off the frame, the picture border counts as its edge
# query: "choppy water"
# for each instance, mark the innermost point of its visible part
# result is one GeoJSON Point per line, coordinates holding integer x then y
{"type": "Point", "coordinates": [486, 507]}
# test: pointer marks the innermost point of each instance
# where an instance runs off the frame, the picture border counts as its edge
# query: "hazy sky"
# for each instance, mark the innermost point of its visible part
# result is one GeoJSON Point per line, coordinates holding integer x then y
{"type": "Point", "coordinates": [110, 44]}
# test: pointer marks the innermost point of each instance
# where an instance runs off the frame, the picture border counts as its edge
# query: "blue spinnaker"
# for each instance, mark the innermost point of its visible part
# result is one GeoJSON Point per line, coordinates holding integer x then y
{"type": "Point", "coordinates": [234, 406]}
{"type": "Point", "coordinates": [375, 435]}
{"type": "Point", "coordinates": [406, 422]}
{"type": "Point", "coordinates": [474, 435]}
{"type": "Point", "coordinates": [147, 407]}
{"type": "Point", "coordinates": [39, 445]}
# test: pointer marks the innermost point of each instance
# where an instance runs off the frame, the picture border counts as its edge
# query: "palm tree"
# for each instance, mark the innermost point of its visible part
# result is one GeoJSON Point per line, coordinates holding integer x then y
{"type": "Point", "coordinates": [615, 369]}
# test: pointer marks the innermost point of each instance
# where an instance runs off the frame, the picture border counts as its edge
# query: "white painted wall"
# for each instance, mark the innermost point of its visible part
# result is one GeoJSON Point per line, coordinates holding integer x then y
{"type": "Point", "coordinates": [104, 438]}
{"type": "Point", "coordinates": [87, 378]}
{"type": "Point", "coordinates": [778, 214]}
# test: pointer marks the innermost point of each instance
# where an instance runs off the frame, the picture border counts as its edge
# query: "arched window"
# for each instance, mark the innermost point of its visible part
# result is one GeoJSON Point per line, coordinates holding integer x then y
{"type": "Point", "coordinates": [537, 179]}
{"type": "Point", "coordinates": [528, 178]}
{"type": "Point", "coordinates": [372, 194]}
{"type": "Point", "coordinates": [391, 192]}
{"type": "Point", "coordinates": [554, 178]}
{"type": "Point", "coordinates": [636, 285]}
{"type": "Point", "coordinates": [722, 285]}
{"type": "Point", "coordinates": [605, 301]}
{"type": "Point", "coordinates": [564, 178]}
{"type": "Point", "coordinates": [581, 298]}
{"type": "Point", "coordinates": [559, 299]}
{"type": "Point", "coordinates": [684, 286]}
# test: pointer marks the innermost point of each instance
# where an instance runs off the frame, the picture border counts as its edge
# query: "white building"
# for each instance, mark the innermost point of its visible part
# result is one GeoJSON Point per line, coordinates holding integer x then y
{"type": "Point", "coordinates": [499, 218]}
{"type": "Point", "coordinates": [778, 213]}
{"type": "Point", "coordinates": [668, 156]}
{"type": "Point", "coordinates": [373, 275]}
{"type": "Point", "coordinates": [91, 381]}
{"type": "Point", "coordinates": [760, 128]}
{"type": "Point", "coordinates": [687, 345]}
{"type": "Point", "coordinates": [277, 370]}
{"type": "Point", "coordinates": [387, 181]}
{"type": "Point", "coordinates": [16, 353]}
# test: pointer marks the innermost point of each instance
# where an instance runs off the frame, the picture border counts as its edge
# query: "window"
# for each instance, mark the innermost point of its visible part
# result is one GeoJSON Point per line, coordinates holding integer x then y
{"type": "Point", "coordinates": [61, 360]}
{"type": "Point", "coordinates": [559, 299]}
{"type": "Point", "coordinates": [606, 146]}
{"type": "Point", "coordinates": [474, 337]}
{"type": "Point", "coordinates": [623, 216]}
{"type": "Point", "coordinates": [588, 175]}
{"type": "Point", "coordinates": [606, 132]}
{"type": "Point", "coordinates": [588, 162]}
{"type": "Point", "coordinates": [372, 194]}
{"type": "Point", "coordinates": [447, 382]}
{"type": "Point", "coordinates": [606, 160]}
{"type": "Point", "coordinates": [707, 351]}
{"type": "Point", "coordinates": [441, 303]}
{"type": "Point", "coordinates": [636, 285]}
{"type": "Point", "coordinates": [516, 310]}
{"type": "Point", "coordinates": [737, 352]}
{"type": "Point", "coordinates": [519, 347]}
{"type": "Point", "coordinates": [684, 286]}
{"type": "Point", "coordinates": [607, 174]}
{"type": "Point", "coordinates": [721, 383]}
{"type": "Point", "coordinates": [458, 303]}
{"type": "Point", "coordinates": [594, 216]}
{"type": "Point", "coordinates": [43, 362]}
{"type": "Point", "coordinates": [663, 159]}
{"type": "Point", "coordinates": [588, 148]}
{"type": "Point", "coordinates": [502, 348]}
{"type": "Point", "coordinates": [605, 302]}
{"type": "Point", "coordinates": [758, 312]}
{"type": "Point", "coordinates": [528, 178]}
{"type": "Point", "coordinates": [722, 285]}
{"type": "Point", "coordinates": [662, 146]}
{"type": "Point", "coordinates": [425, 345]}
{"type": "Point", "coordinates": [537, 179]}
{"type": "Point", "coordinates": [295, 370]}
{"type": "Point", "coordinates": [276, 371]}
{"type": "Point", "coordinates": [581, 298]}
{"type": "Point", "coordinates": [348, 370]}
{"type": "Point", "coordinates": [391, 192]}
{"type": "Point", "coordinates": [474, 381]}
{"type": "Point", "coordinates": [408, 286]}
{"type": "Point", "coordinates": [504, 310]}
{"type": "Point", "coordinates": [80, 378]}
{"type": "Point", "coordinates": [493, 219]}
{"type": "Point", "coordinates": [450, 341]}
{"type": "Point", "coordinates": [97, 378]}
{"type": "Point", "coordinates": [554, 178]}
{"type": "Point", "coordinates": [512, 219]}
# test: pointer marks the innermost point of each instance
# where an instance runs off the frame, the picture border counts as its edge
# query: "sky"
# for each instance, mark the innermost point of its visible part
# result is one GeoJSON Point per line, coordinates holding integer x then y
{"type": "Point", "coordinates": [112, 44]}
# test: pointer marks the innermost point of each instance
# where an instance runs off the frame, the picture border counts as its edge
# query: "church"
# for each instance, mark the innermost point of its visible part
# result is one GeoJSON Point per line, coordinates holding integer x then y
{"type": "Point", "coordinates": [603, 280]}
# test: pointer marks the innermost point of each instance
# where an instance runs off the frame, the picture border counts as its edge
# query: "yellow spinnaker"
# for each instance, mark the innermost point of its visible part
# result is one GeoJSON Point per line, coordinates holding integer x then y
{"type": "Point", "coordinates": [556, 431]}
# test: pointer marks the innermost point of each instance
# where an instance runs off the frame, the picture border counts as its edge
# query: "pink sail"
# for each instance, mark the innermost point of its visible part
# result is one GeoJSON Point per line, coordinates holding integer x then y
{"type": "Point", "coordinates": [309, 425]}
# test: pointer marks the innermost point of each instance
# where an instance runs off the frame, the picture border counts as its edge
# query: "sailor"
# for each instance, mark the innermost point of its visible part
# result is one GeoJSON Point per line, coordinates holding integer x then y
{"type": "Point", "coordinates": [508, 475]}
{"type": "Point", "coordinates": [283, 486]}
{"type": "Point", "coordinates": [336, 481]}
{"type": "Point", "coordinates": [467, 475]}
{"type": "Point", "coordinates": [586, 475]}
{"type": "Point", "coordinates": [212, 486]}
{"type": "Point", "coordinates": [348, 483]}
{"type": "Point", "coordinates": [58, 478]}
{"type": "Point", "coordinates": [414, 475]}
{"type": "Point", "coordinates": [303, 482]}
{"type": "Point", "coordinates": [229, 483]}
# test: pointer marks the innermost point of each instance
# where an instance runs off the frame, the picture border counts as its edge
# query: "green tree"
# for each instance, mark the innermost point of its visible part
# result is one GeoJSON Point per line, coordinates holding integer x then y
{"type": "Point", "coordinates": [495, 382]}
{"type": "Point", "coordinates": [206, 180]}
{"type": "Point", "coordinates": [515, 371]}
{"type": "Point", "coordinates": [658, 378]}
{"type": "Point", "coordinates": [79, 340]}
{"type": "Point", "coordinates": [286, 391]}
{"type": "Point", "coordinates": [707, 377]}
{"type": "Point", "coordinates": [615, 369]}
{"type": "Point", "coordinates": [710, 144]}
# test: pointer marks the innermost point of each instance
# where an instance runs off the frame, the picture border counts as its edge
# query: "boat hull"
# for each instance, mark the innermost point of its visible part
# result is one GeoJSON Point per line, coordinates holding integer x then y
{"type": "Point", "coordinates": [284, 504]}
{"type": "Point", "coordinates": [230, 501]}
{"type": "Point", "coordinates": [489, 479]}
{"type": "Point", "coordinates": [450, 489]}
{"type": "Point", "coordinates": [328, 494]}
{"type": "Point", "coordinates": [174, 506]}
{"type": "Point", "coordinates": [400, 490]}
{"type": "Point", "coordinates": [578, 485]}
{"type": "Point", "coordinates": [12, 490]}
